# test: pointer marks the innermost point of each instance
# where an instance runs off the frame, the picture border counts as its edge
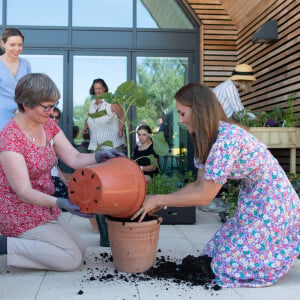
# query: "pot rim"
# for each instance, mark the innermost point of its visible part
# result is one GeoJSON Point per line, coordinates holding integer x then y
{"type": "Point", "coordinates": [156, 221]}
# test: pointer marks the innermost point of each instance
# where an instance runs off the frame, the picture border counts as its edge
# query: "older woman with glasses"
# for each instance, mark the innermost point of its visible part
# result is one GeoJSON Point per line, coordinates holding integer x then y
{"type": "Point", "coordinates": [33, 232]}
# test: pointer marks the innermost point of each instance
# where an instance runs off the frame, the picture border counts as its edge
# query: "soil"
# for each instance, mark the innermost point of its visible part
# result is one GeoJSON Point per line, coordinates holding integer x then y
{"type": "Point", "coordinates": [191, 271]}
{"type": "Point", "coordinates": [128, 220]}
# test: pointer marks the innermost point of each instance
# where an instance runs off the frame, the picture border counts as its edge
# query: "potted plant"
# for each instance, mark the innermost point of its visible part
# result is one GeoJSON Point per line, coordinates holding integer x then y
{"type": "Point", "coordinates": [275, 128]}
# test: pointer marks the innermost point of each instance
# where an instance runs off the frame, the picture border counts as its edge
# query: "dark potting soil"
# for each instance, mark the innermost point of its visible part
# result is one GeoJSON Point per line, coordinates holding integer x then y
{"type": "Point", "coordinates": [127, 220]}
{"type": "Point", "coordinates": [192, 271]}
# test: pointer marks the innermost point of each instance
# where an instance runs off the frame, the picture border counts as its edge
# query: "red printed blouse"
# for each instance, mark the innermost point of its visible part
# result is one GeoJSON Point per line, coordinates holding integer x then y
{"type": "Point", "coordinates": [17, 216]}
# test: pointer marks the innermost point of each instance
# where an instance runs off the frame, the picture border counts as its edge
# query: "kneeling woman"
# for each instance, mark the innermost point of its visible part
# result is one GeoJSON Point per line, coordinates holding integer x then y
{"type": "Point", "coordinates": [33, 232]}
{"type": "Point", "coordinates": [259, 244]}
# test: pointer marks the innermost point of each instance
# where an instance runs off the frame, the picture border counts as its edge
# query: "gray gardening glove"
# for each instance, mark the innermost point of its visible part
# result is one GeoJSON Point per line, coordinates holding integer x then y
{"type": "Point", "coordinates": [103, 155]}
{"type": "Point", "coordinates": [65, 203]}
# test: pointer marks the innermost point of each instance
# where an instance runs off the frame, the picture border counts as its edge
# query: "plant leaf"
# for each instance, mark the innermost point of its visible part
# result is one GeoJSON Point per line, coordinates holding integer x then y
{"type": "Point", "coordinates": [98, 114]}
{"type": "Point", "coordinates": [105, 144]}
{"type": "Point", "coordinates": [160, 145]}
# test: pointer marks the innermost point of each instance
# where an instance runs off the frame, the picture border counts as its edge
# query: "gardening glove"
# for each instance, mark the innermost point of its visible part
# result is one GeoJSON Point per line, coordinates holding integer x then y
{"type": "Point", "coordinates": [65, 203]}
{"type": "Point", "coordinates": [103, 155]}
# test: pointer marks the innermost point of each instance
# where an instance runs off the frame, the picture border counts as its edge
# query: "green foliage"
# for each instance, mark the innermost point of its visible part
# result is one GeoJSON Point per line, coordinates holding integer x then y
{"type": "Point", "coordinates": [231, 192]}
{"type": "Point", "coordinates": [230, 195]}
{"type": "Point", "coordinates": [161, 78]}
{"type": "Point", "coordinates": [160, 145]}
{"type": "Point", "coordinates": [289, 115]}
{"type": "Point", "coordinates": [275, 118]}
{"type": "Point", "coordinates": [128, 94]}
{"type": "Point", "coordinates": [162, 184]}
{"type": "Point", "coordinates": [98, 114]}
{"type": "Point", "coordinates": [295, 181]}
{"type": "Point", "coordinates": [105, 144]}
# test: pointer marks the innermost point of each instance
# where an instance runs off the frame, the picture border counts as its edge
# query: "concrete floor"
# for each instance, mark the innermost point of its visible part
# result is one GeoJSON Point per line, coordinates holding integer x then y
{"type": "Point", "coordinates": [175, 241]}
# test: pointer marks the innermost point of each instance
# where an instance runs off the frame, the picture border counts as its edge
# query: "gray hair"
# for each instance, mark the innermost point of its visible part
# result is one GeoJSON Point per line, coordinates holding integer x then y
{"type": "Point", "coordinates": [35, 88]}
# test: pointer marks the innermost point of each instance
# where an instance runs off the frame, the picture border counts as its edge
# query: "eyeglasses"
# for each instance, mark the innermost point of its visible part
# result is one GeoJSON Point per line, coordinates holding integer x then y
{"type": "Point", "coordinates": [54, 117]}
{"type": "Point", "coordinates": [49, 107]}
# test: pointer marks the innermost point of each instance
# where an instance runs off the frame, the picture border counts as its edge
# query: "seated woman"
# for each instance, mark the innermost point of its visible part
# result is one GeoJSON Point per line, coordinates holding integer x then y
{"type": "Point", "coordinates": [143, 150]}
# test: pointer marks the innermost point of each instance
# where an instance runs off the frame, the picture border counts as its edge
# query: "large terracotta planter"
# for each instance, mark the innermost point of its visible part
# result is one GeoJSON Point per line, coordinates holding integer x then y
{"type": "Point", "coordinates": [133, 245]}
{"type": "Point", "coordinates": [116, 187]}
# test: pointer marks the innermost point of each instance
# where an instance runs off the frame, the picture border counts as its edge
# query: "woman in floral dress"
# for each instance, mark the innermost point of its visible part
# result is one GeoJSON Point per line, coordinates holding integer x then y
{"type": "Point", "coordinates": [259, 244]}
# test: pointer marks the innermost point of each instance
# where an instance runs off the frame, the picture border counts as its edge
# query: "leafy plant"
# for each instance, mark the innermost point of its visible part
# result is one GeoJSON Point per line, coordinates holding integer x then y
{"type": "Point", "coordinates": [274, 118]}
{"type": "Point", "coordinates": [162, 184]}
{"type": "Point", "coordinates": [230, 195]}
{"type": "Point", "coordinates": [128, 95]}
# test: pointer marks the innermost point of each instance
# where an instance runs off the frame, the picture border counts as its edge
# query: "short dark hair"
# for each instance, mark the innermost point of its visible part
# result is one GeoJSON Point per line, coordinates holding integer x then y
{"type": "Point", "coordinates": [10, 31]}
{"type": "Point", "coordinates": [35, 88]}
{"type": "Point", "coordinates": [98, 80]}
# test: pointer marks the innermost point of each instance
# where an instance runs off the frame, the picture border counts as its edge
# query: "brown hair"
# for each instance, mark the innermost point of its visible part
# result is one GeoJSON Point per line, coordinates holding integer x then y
{"type": "Point", "coordinates": [207, 112]}
{"type": "Point", "coordinates": [35, 88]}
{"type": "Point", "coordinates": [102, 82]}
{"type": "Point", "coordinates": [8, 32]}
{"type": "Point", "coordinates": [145, 127]}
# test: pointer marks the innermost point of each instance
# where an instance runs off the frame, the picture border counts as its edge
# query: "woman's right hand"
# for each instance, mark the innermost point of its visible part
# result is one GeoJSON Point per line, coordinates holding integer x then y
{"type": "Point", "coordinates": [149, 206]}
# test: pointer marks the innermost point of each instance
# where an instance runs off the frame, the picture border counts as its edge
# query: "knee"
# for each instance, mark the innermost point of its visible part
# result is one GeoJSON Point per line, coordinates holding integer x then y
{"type": "Point", "coordinates": [72, 260]}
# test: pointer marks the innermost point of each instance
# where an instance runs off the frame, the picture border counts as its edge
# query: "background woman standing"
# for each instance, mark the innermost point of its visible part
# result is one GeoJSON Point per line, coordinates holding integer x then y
{"type": "Point", "coordinates": [12, 68]}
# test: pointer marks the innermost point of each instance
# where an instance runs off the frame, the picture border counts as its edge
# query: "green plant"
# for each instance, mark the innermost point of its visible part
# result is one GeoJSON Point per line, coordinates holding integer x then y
{"type": "Point", "coordinates": [295, 181]}
{"type": "Point", "coordinates": [274, 118]}
{"type": "Point", "coordinates": [230, 195]}
{"type": "Point", "coordinates": [162, 184]}
{"type": "Point", "coordinates": [128, 95]}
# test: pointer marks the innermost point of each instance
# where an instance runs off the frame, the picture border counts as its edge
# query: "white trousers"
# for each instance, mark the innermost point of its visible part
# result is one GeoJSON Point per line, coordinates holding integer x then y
{"type": "Point", "coordinates": [50, 246]}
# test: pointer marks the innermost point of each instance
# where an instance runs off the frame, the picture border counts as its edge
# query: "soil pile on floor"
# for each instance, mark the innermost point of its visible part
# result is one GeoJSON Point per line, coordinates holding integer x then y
{"type": "Point", "coordinates": [194, 270]}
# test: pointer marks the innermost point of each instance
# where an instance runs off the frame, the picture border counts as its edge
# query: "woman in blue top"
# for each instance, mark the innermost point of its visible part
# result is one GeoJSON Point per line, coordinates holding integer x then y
{"type": "Point", "coordinates": [12, 68]}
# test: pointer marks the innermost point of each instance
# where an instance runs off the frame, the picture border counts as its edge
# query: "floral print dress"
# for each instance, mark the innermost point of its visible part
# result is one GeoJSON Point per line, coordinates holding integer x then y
{"type": "Point", "coordinates": [259, 244]}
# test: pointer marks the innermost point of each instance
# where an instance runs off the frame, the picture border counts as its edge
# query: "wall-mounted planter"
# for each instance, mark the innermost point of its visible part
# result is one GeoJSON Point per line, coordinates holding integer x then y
{"type": "Point", "coordinates": [133, 245]}
{"type": "Point", "coordinates": [280, 138]}
{"type": "Point", "coordinates": [116, 187]}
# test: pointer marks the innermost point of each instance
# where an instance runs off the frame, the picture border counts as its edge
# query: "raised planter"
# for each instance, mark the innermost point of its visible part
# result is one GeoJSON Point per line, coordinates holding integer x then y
{"type": "Point", "coordinates": [280, 138]}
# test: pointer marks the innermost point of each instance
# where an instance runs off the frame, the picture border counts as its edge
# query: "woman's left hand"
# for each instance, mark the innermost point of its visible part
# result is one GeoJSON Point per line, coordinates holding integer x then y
{"type": "Point", "coordinates": [104, 155]}
{"type": "Point", "coordinates": [149, 206]}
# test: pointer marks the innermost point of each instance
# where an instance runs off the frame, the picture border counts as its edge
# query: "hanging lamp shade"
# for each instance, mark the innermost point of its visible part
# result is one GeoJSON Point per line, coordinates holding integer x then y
{"type": "Point", "coordinates": [267, 33]}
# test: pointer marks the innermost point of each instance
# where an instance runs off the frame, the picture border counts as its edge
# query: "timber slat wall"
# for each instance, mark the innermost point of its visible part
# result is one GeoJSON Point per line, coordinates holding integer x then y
{"type": "Point", "coordinates": [219, 35]}
{"type": "Point", "coordinates": [227, 30]}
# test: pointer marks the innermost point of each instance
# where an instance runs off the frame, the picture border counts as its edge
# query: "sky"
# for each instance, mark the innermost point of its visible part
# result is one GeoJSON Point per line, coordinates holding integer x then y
{"type": "Point", "coordinates": [85, 12]}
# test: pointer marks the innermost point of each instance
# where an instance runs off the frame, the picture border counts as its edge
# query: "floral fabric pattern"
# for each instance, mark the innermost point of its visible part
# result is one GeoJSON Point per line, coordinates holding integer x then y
{"type": "Point", "coordinates": [17, 216]}
{"type": "Point", "coordinates": [259, 244]}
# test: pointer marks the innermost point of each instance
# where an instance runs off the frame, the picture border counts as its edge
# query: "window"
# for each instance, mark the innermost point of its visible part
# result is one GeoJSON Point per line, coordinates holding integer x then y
{"type": "Point", "coordinates": [161, 14]}
{"type": "Point", "coordinates": [52, 65]}
{"type": "Point", "coordinates": [37, 12]}
{"type": "Point", "coordinates": [105, 13]}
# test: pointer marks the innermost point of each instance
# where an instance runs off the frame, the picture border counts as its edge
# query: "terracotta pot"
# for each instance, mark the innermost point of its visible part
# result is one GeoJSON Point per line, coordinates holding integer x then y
{"type": "Point", "coordinates": [133, 245]}
{"type": "Point", "coordinates": [116, 187]}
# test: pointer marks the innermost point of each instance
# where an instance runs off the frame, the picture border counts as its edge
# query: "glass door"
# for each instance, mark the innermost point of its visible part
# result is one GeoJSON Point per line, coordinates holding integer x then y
{"type": "Point", "coordinates": [161, 76]}
{"type": "Point", "coordinates": [88, 66]}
